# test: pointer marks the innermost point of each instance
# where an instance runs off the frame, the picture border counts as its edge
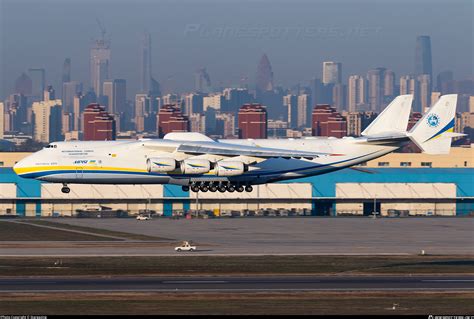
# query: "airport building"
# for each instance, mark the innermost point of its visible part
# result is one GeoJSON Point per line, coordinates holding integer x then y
{"type": "Point", "coordinates": [393, 185]}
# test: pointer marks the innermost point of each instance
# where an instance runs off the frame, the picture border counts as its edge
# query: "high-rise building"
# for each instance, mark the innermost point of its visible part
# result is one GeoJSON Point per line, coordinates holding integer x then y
{"type": "Point", "coordinates": [214, 101]}
{"type": "Point", "coordinates": [358, 121]}
{"type": "Point", "coordinates": [202, 81]}
{"type": "Point", "coordinates": [326, 121]}
{"type": "Point", "coordinates": [66, 76]}
{"type": "Point", "coordinates": [197, 122]}
{"type": "Point", "coordinates": [339, 96]}
{"type": "Point", "coordinates": [376, 89]}
{"type": "Point", "coordinates": [423, 56]}
{"type": "Point", "coordinates": [38, 83]}
{"type": "Point", "coordinates": [99, 125]}
{"type": "Point", "coordinates": [70, 90]}
{"type": "Point", "coordinates": [443, 81]}
{"type": "Point", "coordinates": [225, 124]}
{"type": "Point", "coordinates": [18, 109]}
{"type": "Point", "coordinates": [170, 119]}
{"type": "Point", "coordinates": [115, 95]}
{"type": "Point", "coordinates": [2, 119]}
{"type": "Point", "coordinates": [304, 103]}
{"type": "Point", "coordinates": [410, 85]}
{"type": "Point", "coordinates": [99, 65]}
{"type": "Point", "coordinates": [148, 84]}
{"type": "Point", "coordinates": [357, 92]}
{"type": "Point", "coordinates": [234, 98]}
{"type": "Point", "coordinates": [252, 121]}
{"type": "Point", "coordinates": [264, 81]}
{"type": "Point", "coordinates": [47, 119]}
{"type": "Point", "coordinates": [425, 91]}
{"type": "Point", "coordinates": [49, 93]}
{"type": "Point", "coordinates": [389, 85]}
{"type": "Point", "coordinates": [332, 72]}
{"type": "Point", "coordinates": [193, 103]}
{"type": "Point", "coordinates": [145, 70]}
{"type": "Point", "coordinates": [316, 90]}
{"type": "Point", "coordinates": [23, 84]}
{"type": "Point", "coordinates": [290, 101]}
{"type": "Point", "coordinates": [78, 105]}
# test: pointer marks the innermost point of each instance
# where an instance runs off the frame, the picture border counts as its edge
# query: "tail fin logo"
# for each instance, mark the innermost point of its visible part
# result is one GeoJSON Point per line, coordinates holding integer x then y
{"type": "Point", "coordinates": [433, 120]}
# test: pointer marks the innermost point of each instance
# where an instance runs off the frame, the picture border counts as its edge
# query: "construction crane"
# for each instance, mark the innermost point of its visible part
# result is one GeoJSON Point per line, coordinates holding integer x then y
{"type": "Point", "coordinates": [102, 28]}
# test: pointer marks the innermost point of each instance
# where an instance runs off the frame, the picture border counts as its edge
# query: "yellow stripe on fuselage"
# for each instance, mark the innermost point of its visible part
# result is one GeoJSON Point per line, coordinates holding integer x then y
{"type": "Point", "coordinates": [33, 169]}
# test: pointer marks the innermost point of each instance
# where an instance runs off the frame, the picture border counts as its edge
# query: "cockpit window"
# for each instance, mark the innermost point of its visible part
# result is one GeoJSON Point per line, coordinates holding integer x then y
{"type": "Point", "coordinates": [51, 146]}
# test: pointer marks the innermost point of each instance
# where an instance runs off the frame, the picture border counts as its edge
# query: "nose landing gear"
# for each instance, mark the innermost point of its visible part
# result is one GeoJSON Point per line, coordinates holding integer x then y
{"type": "Point", "coordinates": [65, 189]}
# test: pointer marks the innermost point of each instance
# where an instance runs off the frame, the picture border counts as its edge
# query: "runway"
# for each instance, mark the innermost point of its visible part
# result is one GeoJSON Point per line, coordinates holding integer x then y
{"type": "Point", "coordinates": [236, 283]}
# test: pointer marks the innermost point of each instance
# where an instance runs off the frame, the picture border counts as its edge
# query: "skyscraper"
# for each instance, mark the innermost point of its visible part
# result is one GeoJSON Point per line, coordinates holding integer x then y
{"type": "Point", "coordinates": [332, 72]}
{"type": "Point", "coordinates": [70, 90]}
{"type": "Point", "coordinates": [114, 92]}
{"type": "Point", "coordinates": [290, 101]}
{"type": "Point", "coordinates": [357, 95]}
{"type": "Point", "coordinates": [99, 65]}
{"type": "Point", "coordinates": [264, 75]}
{"type": "Point", "coordinates": [423, 56]}
{"type": "Point", "coordinates": [2, 119]}
{"type": "Point", "coordinates": [38, 83]}
{"type": "Point", "coordinates": [425, 91]}
{"type": "Point", "coordinates": [381, 88]}
{"type": "Point", "coordinates": [23, 84]}
{"type": "Point", "coordinates": [66, 76]}
{"type": "Point", "coordinates": [148, 84]}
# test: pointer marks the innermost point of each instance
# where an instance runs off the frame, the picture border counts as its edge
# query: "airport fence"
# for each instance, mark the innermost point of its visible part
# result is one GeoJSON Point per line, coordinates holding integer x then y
{"type": "Point", "coordinates": [216, 213]}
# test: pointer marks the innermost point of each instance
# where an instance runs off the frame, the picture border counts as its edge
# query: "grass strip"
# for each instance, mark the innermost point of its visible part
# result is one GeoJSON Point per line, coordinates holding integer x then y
{"type": "Point", "coordinates": [188, 264]}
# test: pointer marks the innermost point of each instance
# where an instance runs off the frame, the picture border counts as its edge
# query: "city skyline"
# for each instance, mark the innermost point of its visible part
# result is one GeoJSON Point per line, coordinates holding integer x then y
{"type": "Point", "coordinates": [357, 48]}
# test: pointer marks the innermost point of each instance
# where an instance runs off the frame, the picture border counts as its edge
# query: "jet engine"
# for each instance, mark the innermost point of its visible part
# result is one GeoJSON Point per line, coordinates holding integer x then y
{"type": "Point", "coordinates": [195, 166]}
{"type": "Point", "coordinates": [161, 164]}
{"type": "Point", "coordinates": [228, 168]}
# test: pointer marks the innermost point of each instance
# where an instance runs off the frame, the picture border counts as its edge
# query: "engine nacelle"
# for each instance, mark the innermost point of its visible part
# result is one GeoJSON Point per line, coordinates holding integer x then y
{"type": "Point", "coordinates": [228, 168]}
{"type": "Point", "coordinates": [161, 164]}
{"type": "Point", "coordinates": [195, 166]}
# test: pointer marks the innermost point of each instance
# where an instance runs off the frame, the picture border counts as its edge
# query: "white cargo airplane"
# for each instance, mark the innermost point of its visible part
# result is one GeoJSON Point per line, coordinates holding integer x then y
{"type": "Point", "coordinates": [195, 161]}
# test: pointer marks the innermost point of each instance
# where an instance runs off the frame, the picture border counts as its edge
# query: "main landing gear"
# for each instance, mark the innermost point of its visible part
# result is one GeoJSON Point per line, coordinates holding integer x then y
{"type": "Point", "coordinates": [65, 189]}
{"type": "Point", "coordinates": [214, 187]}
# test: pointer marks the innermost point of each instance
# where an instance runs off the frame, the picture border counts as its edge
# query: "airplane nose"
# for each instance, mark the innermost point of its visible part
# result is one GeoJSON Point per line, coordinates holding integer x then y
{"type": "Point", "coordinates": [18, 166]}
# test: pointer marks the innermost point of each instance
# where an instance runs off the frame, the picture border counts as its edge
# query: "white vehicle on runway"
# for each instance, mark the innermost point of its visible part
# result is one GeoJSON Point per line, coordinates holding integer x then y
{"type": "Point", "coordinates": [186, 246]}
{"type": "Point", "coordinates": [141, 217]}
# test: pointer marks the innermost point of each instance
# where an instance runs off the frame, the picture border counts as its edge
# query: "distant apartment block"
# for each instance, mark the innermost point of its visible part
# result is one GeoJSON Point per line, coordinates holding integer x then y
{"type": "Point", "coordinates": [252, 121]}
{"type": "Point", "coordinates": [99, 125]}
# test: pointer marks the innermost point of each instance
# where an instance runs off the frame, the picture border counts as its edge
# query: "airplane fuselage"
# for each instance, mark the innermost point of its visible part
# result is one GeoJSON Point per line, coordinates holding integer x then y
{"type": "Point", "coordinates": [125, 162]}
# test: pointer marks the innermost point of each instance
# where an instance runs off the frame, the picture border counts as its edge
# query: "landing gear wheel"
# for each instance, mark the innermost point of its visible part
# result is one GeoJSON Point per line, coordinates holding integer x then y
{"type": "Point", "coordinates": [204, 188]}
{"type": "Point", "coordinates": [213, 188]}
{"type": "Point", "coordinates": [185, 188]}
{"type": "Point", "coordinates": [65, 190]}
{"type": "Point", "coordinates": [240, 188]}
{"type": "Point", "coordinates": [231, 188]}
{"type": "Point", "coordinates": [195, 188]}
{"type": "Point", "coordinates": [248, 188]}
{"type": "Point", "coordinates": [222, 189]}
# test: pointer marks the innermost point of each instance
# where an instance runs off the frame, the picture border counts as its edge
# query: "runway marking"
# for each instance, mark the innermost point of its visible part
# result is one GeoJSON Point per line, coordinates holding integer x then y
{"type": "Point", "coordinates": [449, 280]}
{"type": "Point", "coordinates": [195, 282]}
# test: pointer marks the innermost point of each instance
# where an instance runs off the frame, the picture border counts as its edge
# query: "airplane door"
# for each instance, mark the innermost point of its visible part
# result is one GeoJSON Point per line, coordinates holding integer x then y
{"type": "Point", "coordinates": [79, 172]}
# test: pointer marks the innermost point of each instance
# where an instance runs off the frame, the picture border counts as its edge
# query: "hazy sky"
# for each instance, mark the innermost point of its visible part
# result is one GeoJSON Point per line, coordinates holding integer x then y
{"type": "Point", "coordinates": [229, 37]}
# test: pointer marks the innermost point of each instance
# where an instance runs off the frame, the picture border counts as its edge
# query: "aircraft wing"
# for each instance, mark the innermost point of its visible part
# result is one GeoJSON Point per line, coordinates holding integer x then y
{"type": "Point", "coordinates": [226, 149]}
